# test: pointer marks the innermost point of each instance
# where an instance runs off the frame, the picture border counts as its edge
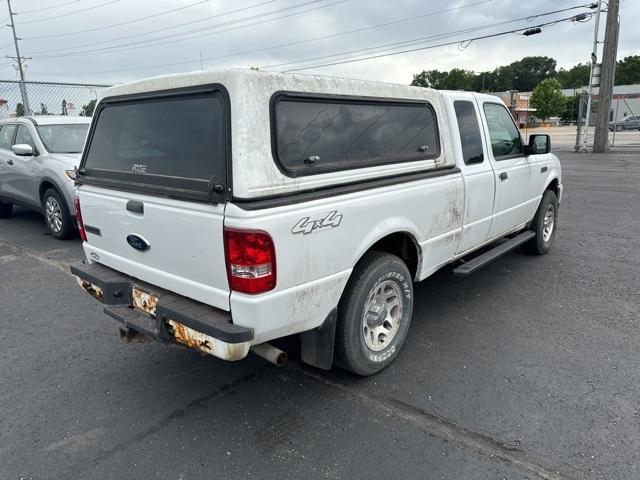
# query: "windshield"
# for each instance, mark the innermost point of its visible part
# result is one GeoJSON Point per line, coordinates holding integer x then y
{"type": "Point", "coordinates": [63, 138]}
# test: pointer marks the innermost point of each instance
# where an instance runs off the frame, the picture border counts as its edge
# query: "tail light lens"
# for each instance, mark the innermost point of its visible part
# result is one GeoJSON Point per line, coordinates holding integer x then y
{"type": "Point", "coordinates": [83, 234]}
{"type": "Point", "coordinates": [251, 260]}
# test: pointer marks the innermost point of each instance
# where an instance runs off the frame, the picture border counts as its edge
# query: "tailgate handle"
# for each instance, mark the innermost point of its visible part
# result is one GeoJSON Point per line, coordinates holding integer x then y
{"type": "Point", "coordinates": [135, 206]}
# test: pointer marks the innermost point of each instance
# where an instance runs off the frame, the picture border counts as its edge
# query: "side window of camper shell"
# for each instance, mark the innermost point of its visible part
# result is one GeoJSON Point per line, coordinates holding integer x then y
{"type": "Point", "coordinates": [315, 134]}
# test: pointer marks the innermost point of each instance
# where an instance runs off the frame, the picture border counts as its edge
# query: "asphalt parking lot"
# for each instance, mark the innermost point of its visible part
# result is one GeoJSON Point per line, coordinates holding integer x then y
{"type": "Point", "coordinates": [528, 369]}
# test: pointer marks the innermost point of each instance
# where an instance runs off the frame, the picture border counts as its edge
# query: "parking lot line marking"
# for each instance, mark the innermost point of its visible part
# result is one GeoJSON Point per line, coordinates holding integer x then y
{"type": "Point", "coordinates": [442, 428]}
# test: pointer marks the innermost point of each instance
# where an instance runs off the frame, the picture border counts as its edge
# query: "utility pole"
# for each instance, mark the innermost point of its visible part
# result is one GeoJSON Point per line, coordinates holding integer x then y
{"type": "Point", "coordinates": [18, 58]}
{"type": "Point", "coordinates": [594, 59]}
{"type": "Point", "coordinates": [609, 51]}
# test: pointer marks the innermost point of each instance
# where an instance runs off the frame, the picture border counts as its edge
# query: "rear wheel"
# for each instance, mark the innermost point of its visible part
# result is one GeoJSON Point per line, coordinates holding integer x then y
{"type": "Point", "coordinates": [5, 209]}
{"type": "Point", "coordinates": [544, 225]}
{"type": "Point", "coordinates": [619, 128]}
{"type": "Point", "coordinates": [56, 214]}
{"type": "Point", "coordinates": [374, 314]}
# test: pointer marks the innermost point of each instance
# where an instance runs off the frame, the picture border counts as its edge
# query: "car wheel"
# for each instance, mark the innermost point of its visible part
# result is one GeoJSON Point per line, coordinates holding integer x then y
{"type": "Point", "coordinates": [6, 209]}
{"type": "Point", "coordinates": [619, 128]}
{"type": "Point", "coordinates": [544, 225]}
{"type": "Point", "coordinates": [56, 214]}
{"type": "Point", "coordinates": [374, 314]}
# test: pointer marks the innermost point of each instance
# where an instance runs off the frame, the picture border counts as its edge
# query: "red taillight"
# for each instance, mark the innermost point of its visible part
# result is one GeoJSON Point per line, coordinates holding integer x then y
{"type": "Point", "coordinates": [251, 260]}
{"type": "Point", "coordinates": [81, 231]}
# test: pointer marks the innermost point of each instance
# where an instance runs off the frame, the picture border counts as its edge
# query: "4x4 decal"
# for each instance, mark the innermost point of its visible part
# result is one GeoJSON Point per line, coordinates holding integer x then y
{"type": "Point", "coordinates": [308, 225]}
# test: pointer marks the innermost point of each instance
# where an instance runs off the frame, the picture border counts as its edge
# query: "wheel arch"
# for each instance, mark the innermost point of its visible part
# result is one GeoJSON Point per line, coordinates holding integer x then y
{"type": "Point", "coordinates": [401, 243]}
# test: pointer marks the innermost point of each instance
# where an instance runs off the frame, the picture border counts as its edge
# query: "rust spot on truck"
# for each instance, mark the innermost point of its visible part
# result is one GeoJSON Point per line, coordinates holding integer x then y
{"type": "Point", "coordinates": [144, 301]}
{"type": "Point", "coordinates": [93, 290]}
{"type": "Point", "coordinates": [192, 338]}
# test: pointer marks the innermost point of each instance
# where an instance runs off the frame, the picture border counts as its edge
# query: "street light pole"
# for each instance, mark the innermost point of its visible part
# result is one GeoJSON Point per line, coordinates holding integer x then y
{"type": "Point", "coordinates": [594, 59]}
{"type": "Point", "coordinates": [23, 89]}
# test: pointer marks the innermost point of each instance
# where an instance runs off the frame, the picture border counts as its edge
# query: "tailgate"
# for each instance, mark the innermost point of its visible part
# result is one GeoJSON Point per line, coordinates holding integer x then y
{"type": "Point", "coordinates": [185, 251]}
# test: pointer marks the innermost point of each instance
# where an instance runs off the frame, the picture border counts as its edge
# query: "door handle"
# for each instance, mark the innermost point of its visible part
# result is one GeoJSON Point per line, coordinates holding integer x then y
{"type": "Point", "coordinates": [503, 176]}
{"type": "Point", "coordinates": [10, 162]}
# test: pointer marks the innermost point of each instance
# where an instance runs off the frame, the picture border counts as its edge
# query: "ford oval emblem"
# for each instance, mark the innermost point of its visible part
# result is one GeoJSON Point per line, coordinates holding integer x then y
{"type": "Point", "coordinates": [137, 242]}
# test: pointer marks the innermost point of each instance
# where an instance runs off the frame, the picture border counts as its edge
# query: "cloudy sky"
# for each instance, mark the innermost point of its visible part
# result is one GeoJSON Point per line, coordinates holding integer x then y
{"type": "Point", "coordinates": [111, 41]}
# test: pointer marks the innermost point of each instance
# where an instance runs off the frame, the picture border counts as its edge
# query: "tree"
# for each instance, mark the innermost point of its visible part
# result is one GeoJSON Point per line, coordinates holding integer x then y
{"type": "Point", "coordinates": [571, 108]}
{"type": "Point", "coordinates": [87, 110]}
{"type": "Point", "coordinates": [64, 107]}
{"type": "Point", "coordinates": [547, 99]}
{"type": "Point", "coordinates": [530, 71]}
{"type": "Point", "coordinates": [628, 70]}
{"type": "Point", "coordinates": [576, 77]}
{"type": "Point", "coordinates": [19, 110]}
{"type": "Point", "coordinates": [43, 109]}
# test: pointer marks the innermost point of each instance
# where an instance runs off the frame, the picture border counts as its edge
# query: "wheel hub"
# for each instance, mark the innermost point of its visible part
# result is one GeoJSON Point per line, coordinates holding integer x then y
{"type": "Point", "coordinates": [382, 315]}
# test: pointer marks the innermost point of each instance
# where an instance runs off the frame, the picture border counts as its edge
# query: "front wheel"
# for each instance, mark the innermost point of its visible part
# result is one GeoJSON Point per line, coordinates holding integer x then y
{"type": "Point", "coordinates": [544, 225]}
{"type": "Point", "coordinates": [619, 128]}
{"type": "Point", "coordinates": [56, 214]}
{"type": "Point", "coordinates": [374, 314]}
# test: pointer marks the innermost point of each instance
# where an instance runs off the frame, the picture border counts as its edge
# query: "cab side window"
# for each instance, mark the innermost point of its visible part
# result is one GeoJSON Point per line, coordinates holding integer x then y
{"type": "Point", "coordinates": [469, 130]}
{"type": "Point", "coordinates": [24, 136]}
{"type": "Point", "coordinates": [505, 137]}
{"type": "Point", "coordinates": [6, 136]}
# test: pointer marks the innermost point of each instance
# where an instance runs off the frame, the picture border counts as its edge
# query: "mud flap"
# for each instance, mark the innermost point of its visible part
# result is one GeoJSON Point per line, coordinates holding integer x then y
{"type": "Point", "coordinates": [316, 346]}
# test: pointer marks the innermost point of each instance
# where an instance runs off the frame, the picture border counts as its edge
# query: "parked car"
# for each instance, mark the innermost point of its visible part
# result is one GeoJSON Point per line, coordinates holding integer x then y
{"type": "Point", "coordinates": [38, 156]}
{"type": "Point", "coordinates": [225, 209]}
{"type": "Point", "coordinates": [629, 123]}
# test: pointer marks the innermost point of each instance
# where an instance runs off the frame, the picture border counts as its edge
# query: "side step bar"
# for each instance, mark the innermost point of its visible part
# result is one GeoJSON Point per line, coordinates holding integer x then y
{"type": "Point", "coordinates": [489, 256]}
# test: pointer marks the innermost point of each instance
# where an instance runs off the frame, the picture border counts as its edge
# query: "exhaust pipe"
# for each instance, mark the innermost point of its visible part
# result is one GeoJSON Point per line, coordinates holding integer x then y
{"type": "Point", "coordinates": [270, 354]}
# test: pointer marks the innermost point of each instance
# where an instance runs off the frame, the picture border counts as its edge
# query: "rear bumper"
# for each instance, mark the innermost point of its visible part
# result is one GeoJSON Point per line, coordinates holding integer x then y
{"type": "Point", "coordinates": [162, 315]}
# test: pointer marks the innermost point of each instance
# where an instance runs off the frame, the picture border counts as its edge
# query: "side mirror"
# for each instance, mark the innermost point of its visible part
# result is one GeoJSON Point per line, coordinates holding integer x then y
{"type": "Point", "coordinates": [22, 149]}
{"type": "Point", "coordinates": [538, 144]}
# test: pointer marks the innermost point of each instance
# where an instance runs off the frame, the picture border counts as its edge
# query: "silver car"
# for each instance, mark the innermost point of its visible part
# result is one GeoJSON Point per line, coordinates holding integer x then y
{"type": "Point", "coordinates": [38, 156]}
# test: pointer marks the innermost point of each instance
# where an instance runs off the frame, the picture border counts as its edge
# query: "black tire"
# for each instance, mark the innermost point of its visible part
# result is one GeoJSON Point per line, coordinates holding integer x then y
{"type": "Point", "coordinates": [619, 128]}
{"type": "Point", "coordinates": [6, 209]}
{"type": "Point", "coordinates": [390, 274]}
{"type": "Point", "coordinates": [538, 245]}
{"type": "Point", "coordinates": [64, 229]}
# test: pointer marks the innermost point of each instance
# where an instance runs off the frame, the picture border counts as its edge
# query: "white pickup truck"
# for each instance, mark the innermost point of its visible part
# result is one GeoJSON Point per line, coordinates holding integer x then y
{"type": "Point", "coordinates": [224, 209]}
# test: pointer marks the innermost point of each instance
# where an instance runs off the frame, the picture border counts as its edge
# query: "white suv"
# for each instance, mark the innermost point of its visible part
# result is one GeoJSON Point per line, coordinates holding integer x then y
{"type": "Point", "coordinates": [225, 209]}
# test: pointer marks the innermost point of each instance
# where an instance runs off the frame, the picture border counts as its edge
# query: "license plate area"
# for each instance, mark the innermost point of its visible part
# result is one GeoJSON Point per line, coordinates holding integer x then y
{"type": "Point", "coordinates": [146, 302]}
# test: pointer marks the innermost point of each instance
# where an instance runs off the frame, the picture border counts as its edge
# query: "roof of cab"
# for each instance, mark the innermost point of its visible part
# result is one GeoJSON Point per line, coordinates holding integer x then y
{"type": "Point", "coordinates": [50, 119]}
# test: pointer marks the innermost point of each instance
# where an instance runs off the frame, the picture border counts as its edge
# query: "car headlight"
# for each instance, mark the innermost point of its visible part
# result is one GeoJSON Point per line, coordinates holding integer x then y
{"type": "Point", "coordinates": [71, 174]}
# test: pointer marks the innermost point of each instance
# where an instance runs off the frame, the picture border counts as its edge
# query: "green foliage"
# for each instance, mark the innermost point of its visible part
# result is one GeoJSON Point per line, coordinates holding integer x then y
{"type": "Point", "coordinates": [19, 110]}
{"type": "Point", "coordinates": [576, 77]}
{"type": "Point", "coordinates": [628, 70]}
{"type": "Point", "coordinates": [571, 108]}
{"type": "Point", "coordinates": [87, 110]}
{"type": "Point", "coordinates": [547, 99]}
{"type": "Point", "coordinates": [523, 75]}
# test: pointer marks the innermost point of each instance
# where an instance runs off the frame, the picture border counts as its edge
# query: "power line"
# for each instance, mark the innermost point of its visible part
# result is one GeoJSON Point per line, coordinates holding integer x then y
{"type": "Point", "coordinates": [297, 42]}
{"type": "Point", "coordinates": [127, 22]}
{"type": "Point", "coordinates": [162, 41]}
{"type": "Point", "coordinates": [466, 41]}
{"type": "Point", "coordinates": [70, 13]}
{"type": "Point", "coordinates": [426, 38]}
{"type": "Point", "coordinates": [47, 8]}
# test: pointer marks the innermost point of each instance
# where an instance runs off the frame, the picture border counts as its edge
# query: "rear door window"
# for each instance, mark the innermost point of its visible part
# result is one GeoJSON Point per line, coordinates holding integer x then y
{"type": "Point", "coordinates": [175, 143]}
{"type": "Point", "coordinates": [469, 130]}
{"type": "Point", "coordinates": [314, 134]}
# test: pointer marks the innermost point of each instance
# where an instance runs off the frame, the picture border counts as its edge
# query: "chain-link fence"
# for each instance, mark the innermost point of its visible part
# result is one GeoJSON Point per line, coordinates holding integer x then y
{"type": "Point", "coordinates": [624, 120]}
{"type": "Point", "coordinates": [48, 98]}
